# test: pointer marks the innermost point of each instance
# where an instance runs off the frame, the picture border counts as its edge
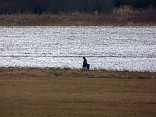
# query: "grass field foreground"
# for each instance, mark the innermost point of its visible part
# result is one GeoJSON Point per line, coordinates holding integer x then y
{"type": "Point", "coordinates": [27, 95]}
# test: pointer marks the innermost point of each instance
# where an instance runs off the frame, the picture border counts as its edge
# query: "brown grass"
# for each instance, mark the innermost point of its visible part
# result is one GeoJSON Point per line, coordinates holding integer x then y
{"type": "Point", "coordinates": [116, 18]}
{"type": "Point", "coordinates": [36, 92]}
{"type": "Point", "coordinates": [73, 73]}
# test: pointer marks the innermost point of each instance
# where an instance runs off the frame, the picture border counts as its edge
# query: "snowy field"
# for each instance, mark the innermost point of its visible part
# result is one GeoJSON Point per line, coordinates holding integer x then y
{"type": "Point", "coordinates": [110, 48]}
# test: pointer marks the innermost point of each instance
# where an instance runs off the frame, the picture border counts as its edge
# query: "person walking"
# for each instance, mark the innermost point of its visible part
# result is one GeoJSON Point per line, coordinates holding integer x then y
{"type": "Point", "coordinates": [85, 65]}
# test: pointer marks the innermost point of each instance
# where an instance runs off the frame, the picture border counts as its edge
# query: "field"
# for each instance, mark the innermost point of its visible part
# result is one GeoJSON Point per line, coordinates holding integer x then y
{"type": "Point", "coordinates": [116, 18]}
{"type": "Point", "coordinates": [36, 92]}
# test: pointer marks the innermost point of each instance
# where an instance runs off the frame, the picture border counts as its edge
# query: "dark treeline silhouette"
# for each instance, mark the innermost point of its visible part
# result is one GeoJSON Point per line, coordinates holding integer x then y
{"type": "Point", "coordinates": [69, 6]}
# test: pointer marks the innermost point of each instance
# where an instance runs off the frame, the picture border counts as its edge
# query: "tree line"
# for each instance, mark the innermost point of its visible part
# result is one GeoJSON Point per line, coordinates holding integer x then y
{"type": "Point", "coordinates": [69, 6]}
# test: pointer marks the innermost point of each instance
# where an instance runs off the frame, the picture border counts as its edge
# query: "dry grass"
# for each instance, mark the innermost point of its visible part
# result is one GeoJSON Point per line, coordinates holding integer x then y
{"type": "Point", "coordinates": [117, 18]}
{"type": "Point", "coordinates": [35, 92]}
{"type": "Point", "coordinates": [73, 73]}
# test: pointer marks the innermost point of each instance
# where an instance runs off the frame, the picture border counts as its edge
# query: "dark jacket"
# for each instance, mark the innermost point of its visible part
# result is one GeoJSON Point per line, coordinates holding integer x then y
{"type": "Point", "coordinates": [84, 62]}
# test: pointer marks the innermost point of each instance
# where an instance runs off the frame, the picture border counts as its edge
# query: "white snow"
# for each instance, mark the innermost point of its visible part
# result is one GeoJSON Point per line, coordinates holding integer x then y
{"type": "Point", "coordinates": [111, 48]}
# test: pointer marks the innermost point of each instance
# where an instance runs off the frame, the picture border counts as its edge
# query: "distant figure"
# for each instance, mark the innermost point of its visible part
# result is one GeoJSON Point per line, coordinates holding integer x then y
{"type": "Point", "coordinates": [86, 66]}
